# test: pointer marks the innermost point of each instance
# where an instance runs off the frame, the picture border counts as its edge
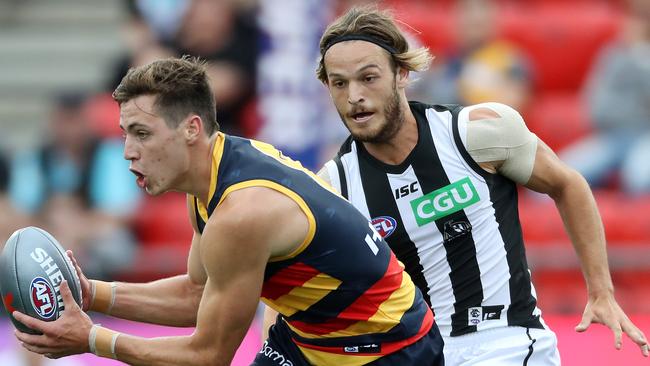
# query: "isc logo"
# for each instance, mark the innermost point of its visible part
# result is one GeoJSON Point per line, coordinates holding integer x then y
{"type": "Point", "coordinates": [43, 299]}
{"type": "Point", "coordinates": [406, 190]}
{"type": "Point", "coordinates": [385, 225]}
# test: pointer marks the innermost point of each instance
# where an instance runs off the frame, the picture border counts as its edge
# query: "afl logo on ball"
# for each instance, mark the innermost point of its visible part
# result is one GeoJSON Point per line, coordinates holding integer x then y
{"type": "Point", "coordinates": [43, 298]}
{"type": "Point", "coordinates": [385, 225]}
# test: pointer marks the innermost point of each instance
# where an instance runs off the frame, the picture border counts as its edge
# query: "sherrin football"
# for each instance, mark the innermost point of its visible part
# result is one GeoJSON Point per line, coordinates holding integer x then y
{"type": "Point", "coordinates": [32, 266]}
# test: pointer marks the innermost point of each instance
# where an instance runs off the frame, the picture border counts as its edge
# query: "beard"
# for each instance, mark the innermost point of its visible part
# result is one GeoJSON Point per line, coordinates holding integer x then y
{"type": "Point", "coordinates": [393, 121]}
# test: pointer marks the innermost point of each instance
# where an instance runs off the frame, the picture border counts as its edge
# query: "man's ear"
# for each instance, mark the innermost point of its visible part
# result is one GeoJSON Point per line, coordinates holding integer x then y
{"type": "Point", "coordinates": [193, 128]}
{"type": "Point", "coordinates": [402, 77]}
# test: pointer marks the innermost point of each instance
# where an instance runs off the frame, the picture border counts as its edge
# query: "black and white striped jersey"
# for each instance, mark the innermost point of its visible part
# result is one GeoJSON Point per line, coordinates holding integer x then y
{"type": "Point", "coordinates": [454, 226]}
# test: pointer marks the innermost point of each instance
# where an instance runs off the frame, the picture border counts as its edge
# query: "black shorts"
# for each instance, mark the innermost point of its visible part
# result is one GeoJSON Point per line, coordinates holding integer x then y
{"type": "Point", "coordinates": [280, 350]}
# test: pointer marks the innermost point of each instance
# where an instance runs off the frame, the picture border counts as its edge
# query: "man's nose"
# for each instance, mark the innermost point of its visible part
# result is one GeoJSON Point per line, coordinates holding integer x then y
{"type": "Point", "coordinates": [130, 152]}
{"type": "Point", "coordinates": [355, 93]}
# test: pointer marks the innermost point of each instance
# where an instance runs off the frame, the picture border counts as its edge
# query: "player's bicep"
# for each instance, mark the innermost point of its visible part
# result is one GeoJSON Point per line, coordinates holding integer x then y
{"type": "Point", "coordinates": [234, 256]}
{"type": "Point", "coordinates": [224, 316]}
{"type": "Point", "coordinates": [550, 175]}
{"type": "Point", "coordinates": [195, 269]}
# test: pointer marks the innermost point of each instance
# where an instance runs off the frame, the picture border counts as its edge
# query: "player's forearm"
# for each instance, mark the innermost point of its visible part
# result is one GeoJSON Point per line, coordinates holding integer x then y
{"type": "Point", "coordinates": [168, 351]}
{"type": "Point", "coordinates": [221, 327]}
{"type": "Point", "coordinates": [171, 301]}
{"type": "Point", "coordinates": [582, 221]}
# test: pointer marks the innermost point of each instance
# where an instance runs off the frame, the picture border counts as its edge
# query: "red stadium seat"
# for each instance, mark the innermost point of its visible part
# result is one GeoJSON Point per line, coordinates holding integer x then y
{"type": "Point", "coordinates": [104, 113]}
{"type": "Point", "coordinates": [560, 291]}
{"type": "Point", "coordinates": [164, 231]}
{"type": "Point", "coordinates": [164, 221]}
{"type": "Point", "coordinates": [558, 119]}
{"type": "Point", "coordinates": [560, 38]}
{"type": "Point", "coordinates": [625, 218]}
{"type": "Point", "coordinates": [540, 221]}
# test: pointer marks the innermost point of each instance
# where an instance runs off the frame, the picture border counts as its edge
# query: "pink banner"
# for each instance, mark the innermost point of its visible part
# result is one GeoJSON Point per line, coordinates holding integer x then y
{"type": "Point", "coordinates": [594, 348]}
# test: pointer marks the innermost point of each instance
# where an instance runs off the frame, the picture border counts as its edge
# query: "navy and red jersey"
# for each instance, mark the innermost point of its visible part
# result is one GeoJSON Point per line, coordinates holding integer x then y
{"type": "Point", "coordinates": [343, 294]}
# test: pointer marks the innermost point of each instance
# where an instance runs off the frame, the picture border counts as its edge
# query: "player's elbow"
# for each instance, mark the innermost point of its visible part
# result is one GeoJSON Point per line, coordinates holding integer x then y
{"type": "Point", "coordinates": [190, 298]}
{"type": "Point", "coordinates": [569, 184]}
{"type": "Point", "coordinates": [209, 356]}
{"type": "Point", "coordinates": [194, 293]}
{"type": "Point", "coordinates": [212, 359]}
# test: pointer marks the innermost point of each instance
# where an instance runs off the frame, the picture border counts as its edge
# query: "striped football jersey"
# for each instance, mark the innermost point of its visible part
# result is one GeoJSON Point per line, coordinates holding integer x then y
{"type": "Point", "coordinates": [343, 294]}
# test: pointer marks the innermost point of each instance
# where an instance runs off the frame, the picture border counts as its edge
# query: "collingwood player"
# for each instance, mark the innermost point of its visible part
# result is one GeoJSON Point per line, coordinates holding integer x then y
{"type": "Point", "coordinates": [440, 183]}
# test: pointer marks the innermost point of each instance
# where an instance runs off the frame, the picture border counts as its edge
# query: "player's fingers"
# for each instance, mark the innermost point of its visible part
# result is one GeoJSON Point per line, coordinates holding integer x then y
{"type": "Point", "coordinates": [30, 322]}
{"type": "Point", "coordinates": [38, 349]}
{"type": "Point", "coordinates": [70, 254]}
{"type": "Point", "coordinates": [68, 300]}
{"type": "Point", "coordinates": [584, 323]}
{"type": "Point", "coordinates": [32, 339]}
{"type": "Point", "coordinates": [618, 334]}
{"type": "Point", "coordinates": [637, 336]}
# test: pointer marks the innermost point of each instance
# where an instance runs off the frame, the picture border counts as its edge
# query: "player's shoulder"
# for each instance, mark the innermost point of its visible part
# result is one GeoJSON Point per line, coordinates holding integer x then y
{"type": "Point", "coordinates": [254, 203]}
{"type": "Point", "coordinates": [492, 110]}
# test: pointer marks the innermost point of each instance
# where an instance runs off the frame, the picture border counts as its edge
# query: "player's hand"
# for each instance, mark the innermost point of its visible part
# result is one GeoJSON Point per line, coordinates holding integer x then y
{"type": "Point", "coordinates": [65, 336]}
{"type": "Point", "coordinates": [605, 310]}
{"type": "Point", "coordinates": [86, 287]}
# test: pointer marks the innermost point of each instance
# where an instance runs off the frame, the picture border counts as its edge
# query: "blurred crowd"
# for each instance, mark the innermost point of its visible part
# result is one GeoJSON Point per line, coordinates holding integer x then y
{"type": "Point", "coordinates": [262, 57]}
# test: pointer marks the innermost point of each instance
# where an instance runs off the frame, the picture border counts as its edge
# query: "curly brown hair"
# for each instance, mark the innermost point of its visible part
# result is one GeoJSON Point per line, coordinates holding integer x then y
{"type": "Point", "coordinates": [378, 24]}
{"type": "Point", "coordinates": [181, 87]}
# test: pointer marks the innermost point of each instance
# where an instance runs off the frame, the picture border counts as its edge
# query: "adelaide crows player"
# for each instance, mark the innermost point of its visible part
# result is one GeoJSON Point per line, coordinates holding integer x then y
{"type": "Point", "coordinates": [264, 228]}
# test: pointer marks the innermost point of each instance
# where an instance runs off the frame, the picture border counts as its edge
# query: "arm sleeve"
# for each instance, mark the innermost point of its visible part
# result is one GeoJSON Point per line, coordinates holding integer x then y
{"type": "Point", "coordinates": [504, 138]}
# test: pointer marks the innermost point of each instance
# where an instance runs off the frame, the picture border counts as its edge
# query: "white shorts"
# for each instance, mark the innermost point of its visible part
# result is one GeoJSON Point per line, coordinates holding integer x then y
{"type": "Point", "coordinates": [507, 346]}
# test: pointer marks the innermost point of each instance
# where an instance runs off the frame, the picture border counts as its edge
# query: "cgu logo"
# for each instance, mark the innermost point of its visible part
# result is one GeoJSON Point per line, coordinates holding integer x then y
{"type": "Point", "coordinates": [444, 201]}
{"type": "Point", "coordinates": [43, 299]}
{"type": "Point", "coordinates": [385, 225]}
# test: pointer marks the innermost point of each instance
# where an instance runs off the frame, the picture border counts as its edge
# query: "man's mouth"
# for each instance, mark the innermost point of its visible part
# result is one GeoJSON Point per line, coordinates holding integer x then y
{"type": "Point", "coordinates": [140, 179]}
{"type": "Point", "coordinates": [362, 116]}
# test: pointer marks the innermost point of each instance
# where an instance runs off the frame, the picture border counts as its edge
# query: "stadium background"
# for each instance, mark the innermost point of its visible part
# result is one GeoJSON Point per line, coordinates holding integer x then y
{"type": "Point", "coordinates": [55, 52]}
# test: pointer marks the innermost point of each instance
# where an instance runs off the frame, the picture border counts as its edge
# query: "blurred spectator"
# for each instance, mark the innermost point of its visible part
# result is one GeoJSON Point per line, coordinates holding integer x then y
{"type": "Point", "coordinates": [147, 34]}
{"type": "Point", "coordinates": [163, 17]}
{"type": "Point", "coordinates": [618, 100]}
{"type": "Point", "coordinates": [225, 33]}
{"type": "Point", "coordinates": [79, 189]}
{"type": "Point", "coordinates": [297, 115]}
{"type": "Point", "coordinates": [10, 219]}
{"type": "Point", "coordinates": [485, 68]}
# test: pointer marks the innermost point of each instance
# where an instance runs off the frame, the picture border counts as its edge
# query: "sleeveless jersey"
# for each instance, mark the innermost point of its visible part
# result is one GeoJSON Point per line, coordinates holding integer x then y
{"type": "Point", "coordinates": [454, 226]}
{"type": "Point", "coordinates": [344, 295]}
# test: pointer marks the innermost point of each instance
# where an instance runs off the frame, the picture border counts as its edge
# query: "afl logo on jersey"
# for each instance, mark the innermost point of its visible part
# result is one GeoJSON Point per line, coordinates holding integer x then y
{"type": "Point", "coordinates": [385, 225]}
{"type": "Point", "coordinates": [43, 298]}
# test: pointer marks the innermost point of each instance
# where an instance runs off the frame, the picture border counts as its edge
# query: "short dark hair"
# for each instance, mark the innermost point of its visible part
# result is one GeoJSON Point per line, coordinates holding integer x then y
{"type": "Point", "coordinates": [377, 24]}
{"type": "Point", "coordinates": [181, 87]}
